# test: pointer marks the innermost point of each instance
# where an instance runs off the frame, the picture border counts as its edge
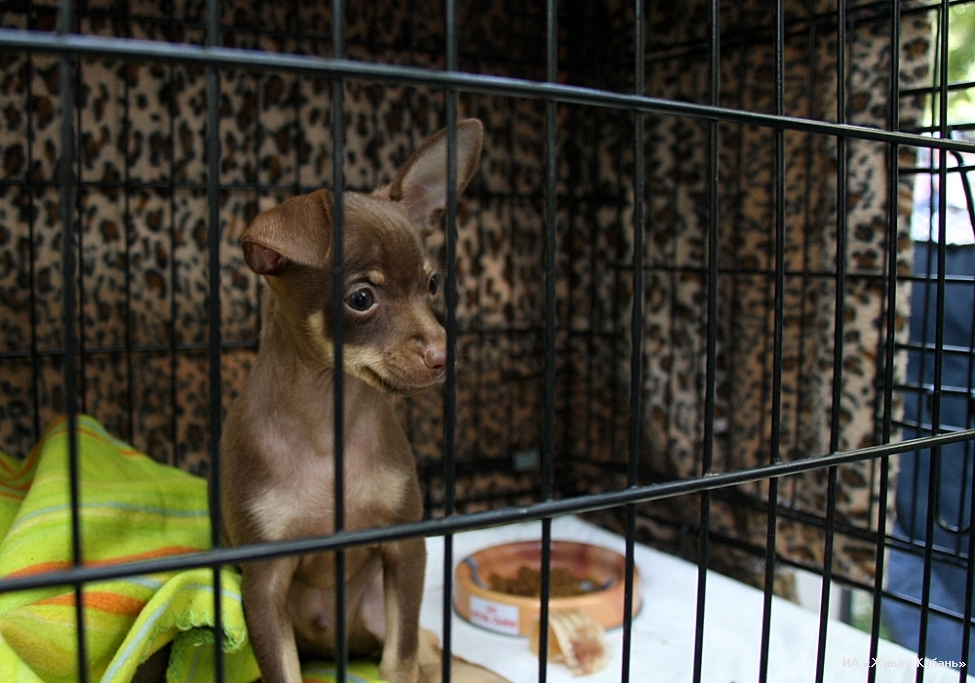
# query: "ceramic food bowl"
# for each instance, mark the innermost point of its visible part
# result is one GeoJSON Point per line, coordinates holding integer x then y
{"type": "Point", "coordinates": [598, 574]}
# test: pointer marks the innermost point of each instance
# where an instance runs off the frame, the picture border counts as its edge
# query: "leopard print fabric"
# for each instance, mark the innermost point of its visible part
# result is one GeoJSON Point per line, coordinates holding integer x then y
{"type": "Point", "coordinates": [675, 322]}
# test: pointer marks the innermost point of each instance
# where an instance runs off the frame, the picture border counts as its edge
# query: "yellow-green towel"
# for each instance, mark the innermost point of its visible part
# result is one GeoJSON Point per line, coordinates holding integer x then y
{"type": "Point", "coordinates": [132, 508]}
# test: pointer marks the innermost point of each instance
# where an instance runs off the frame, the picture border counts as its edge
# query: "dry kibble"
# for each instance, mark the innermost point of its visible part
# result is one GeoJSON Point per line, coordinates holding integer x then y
{"type": "Point", "coordinates": [528, 582]}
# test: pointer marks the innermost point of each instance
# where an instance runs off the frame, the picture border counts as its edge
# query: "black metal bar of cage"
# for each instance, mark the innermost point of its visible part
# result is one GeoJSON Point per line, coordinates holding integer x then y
{"type": "Point", "coordinates": [450, 327]}
{"type": "Point", "coordinates": [714, 87]}
{"type": "Point", "coordinates": [890, 323]}
{"type": "Point", "coordinates": [214, 351]}
{"type": "Point", "coordinates": [777, 311]}
{"type": "Point", "coordinates": [636, 337]}
{"type": "Point", "coordinates": [842, 191]}
{"type": "Point", "coordinates": [893, 169]}
{"type": "Point", "coordinates": [70, 246]}
{"type": "Point", "coordinates": [481, 520]}
{"type": "Point", "coordinates": [939, 332]}
{"type": "Point", "coordinates": [81, 45]}
{"type": "Point", "coordinates": [338, 337]}
{"type": "Point", "coordinates": [550, 238]}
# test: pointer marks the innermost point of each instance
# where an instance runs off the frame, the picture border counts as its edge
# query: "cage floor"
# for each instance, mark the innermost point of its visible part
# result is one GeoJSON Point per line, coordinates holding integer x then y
{"type": "Point", "coordinates": [663, 631]}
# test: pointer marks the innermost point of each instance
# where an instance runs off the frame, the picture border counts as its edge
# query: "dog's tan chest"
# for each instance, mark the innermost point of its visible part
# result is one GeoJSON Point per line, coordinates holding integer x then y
{"type": "Point", "coordinates": [297, 499]}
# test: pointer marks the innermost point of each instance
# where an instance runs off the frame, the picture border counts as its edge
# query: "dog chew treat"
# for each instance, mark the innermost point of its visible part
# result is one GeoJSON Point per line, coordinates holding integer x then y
{"type": "Point", "coordinates": [575, 638]}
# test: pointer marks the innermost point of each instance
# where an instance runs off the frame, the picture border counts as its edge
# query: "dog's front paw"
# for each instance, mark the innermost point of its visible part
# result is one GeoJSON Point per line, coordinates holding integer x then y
{"type": "Point", "coordinates": [401, 672]}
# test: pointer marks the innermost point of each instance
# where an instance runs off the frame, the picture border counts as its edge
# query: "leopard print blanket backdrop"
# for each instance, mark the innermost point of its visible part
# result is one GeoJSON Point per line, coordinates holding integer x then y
{"type": "Point", "coordinates": [142, 211]}
{"type": "Point", "coordinates": [675, 331]}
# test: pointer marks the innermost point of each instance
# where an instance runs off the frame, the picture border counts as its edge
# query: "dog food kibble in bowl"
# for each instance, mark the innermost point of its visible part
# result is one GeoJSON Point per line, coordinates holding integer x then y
{"type": "Point", "coordinates": [528, 582]}
{"type": "Point", "coordinates": [498, 588]}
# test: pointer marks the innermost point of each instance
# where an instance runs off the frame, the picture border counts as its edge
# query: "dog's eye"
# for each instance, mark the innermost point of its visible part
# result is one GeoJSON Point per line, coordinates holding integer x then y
{"type": "Point", "coordinates": [434, 284]}
{"type": "Point", "coordinates": [360, 300]}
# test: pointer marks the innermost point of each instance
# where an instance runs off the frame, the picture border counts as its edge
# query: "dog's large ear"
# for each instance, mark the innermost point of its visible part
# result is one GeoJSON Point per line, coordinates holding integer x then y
{"type": "Point", "coordinates": [297, 231]}
{"type": "Point", "coordinates": [421, 183]}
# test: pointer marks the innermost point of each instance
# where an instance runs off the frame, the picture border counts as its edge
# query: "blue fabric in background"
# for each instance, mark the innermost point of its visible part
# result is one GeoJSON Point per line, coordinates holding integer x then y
{"type": "Point", "coordinates": [953, 471]}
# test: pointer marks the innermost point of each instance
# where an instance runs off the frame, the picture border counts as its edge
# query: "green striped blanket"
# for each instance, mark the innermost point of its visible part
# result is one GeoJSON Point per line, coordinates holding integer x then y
{"type": "Point", "coordinates": [132, 508]}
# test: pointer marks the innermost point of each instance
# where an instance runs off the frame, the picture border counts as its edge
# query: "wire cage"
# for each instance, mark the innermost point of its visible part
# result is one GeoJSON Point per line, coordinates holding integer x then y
{"type": "Point", "coordinates": [710, 291]}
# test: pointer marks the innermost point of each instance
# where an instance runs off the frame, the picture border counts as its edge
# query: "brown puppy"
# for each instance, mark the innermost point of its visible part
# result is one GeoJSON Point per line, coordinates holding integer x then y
{"type": "Point", "coordinates": [278, 443]}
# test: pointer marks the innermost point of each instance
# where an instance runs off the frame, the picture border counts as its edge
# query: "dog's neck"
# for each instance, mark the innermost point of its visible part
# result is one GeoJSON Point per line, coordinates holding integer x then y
{"type": "Point", "coordinates": [298, 361]}
{"type": "Point", "coordinates": [288, 340]}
